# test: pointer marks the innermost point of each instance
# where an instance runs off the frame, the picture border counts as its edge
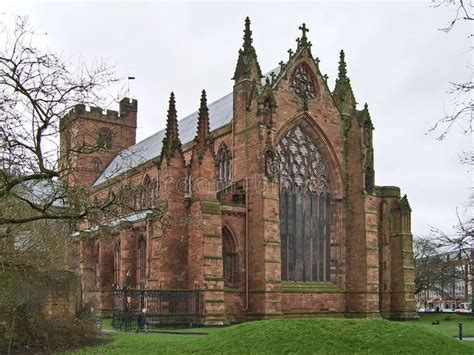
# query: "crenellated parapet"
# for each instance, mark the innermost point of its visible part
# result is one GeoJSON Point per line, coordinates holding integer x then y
{"type": "Point", "coordinates": [126, 115]}
{"type": "Point", "coordinates": [91, 137]}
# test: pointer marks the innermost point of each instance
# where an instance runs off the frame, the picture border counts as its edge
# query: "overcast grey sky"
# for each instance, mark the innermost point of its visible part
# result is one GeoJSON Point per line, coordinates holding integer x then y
{"type": "Point", "coordinates": [398, 62]}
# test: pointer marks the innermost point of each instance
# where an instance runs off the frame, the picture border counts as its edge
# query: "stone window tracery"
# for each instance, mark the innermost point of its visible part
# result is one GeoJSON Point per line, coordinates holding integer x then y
{"type": "Point", "coordinates": [305, 209]}
{"type": "Point", "coordinates": [302, 83]}
{"type": "Point", "coordinates": [225, 164]}
{"type": "Point", "coordinates": [105, 138]}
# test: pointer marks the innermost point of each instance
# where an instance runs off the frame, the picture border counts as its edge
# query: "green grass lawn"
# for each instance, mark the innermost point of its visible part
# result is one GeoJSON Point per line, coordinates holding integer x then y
{"type": "Point", "coordinates": [312, 335]}
{"type": "Point", "coordinates": [448, 327]}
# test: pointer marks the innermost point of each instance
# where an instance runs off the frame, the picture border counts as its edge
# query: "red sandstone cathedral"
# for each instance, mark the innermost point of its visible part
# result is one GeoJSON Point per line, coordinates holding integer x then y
{"type": "Point", "coordinates": [271, 205]}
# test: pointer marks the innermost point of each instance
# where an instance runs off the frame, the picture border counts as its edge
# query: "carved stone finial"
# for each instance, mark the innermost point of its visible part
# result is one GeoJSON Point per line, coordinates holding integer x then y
{"type": "Point", "coordinates": [282, 66]}
{"type": "Point", "coordinates": [342, 65]}
{"type": "Point", "coordinates": [304, 29]}
{"type": "Point", "coordinates": [304, 39]}
{"type": "Point", "coordinates": [247, 34]}
{"type": "Point", "coordinates": [290, 52]}
{"type": "Point", "coordinates": [273, 75]}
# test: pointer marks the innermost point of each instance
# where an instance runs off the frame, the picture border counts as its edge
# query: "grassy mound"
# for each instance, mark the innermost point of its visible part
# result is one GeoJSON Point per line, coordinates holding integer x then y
{"type": "Point", "coordinates": [327, 336]}
{"type": "Point", "coordinates": [296, 336]}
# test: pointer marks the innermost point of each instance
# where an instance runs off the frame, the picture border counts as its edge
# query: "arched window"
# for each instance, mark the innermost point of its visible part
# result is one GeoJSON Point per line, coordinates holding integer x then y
{"type": "Point", "coordinates": [230, 259]}
{"type": "Point", "coordinates": [302, 82]}
{"type": "Point", "coordinates": [188, 188]}
{"type": "Point", "coordinates": [141, 262]}
{"type": "Point", "coordinates": [96, 165]}
{"type": "Point", "coordinates": [305, 209]}
{"type": "Point", "coordinates": [146, 192]}
{"type": "Point", "coordinates": [105, 138]}
{"type": "Point", "coordinates": [369, 179]}
{"type": "Point", "coordinates": [225, 164]}
{"type": "Point", "coordinates": [117, 264]}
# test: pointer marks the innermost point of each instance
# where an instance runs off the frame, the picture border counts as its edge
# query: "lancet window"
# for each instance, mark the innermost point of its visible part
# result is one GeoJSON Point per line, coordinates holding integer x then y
{"type": "Point", "coordinates": [225, 163]}
{"type": "Point", "coordinates": [141, 261]}
{"type": "Point", "coordinates": [230, 258]}
{"type": "Point", "coordinates": [117, 263]}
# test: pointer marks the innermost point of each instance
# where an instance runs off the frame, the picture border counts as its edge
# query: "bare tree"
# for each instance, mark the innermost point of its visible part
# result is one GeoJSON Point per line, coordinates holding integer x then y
{"type": "Point", "coordinates": [428, 264]}
{"type": "Point", "coordinates": [459, 243]}
{"type": "Point", "coordinates": [461, 112]}
{"type": "Point", "coordinates": [37, 89]}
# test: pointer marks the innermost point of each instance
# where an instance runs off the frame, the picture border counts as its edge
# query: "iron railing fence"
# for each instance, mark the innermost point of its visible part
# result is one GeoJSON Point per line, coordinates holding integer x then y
{"type": "Point", "coordinates": [163, 307]}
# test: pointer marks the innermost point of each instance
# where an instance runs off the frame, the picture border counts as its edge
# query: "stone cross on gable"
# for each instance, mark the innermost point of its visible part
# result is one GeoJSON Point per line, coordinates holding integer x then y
{"type": "Point", "coordinates": [304, 29]}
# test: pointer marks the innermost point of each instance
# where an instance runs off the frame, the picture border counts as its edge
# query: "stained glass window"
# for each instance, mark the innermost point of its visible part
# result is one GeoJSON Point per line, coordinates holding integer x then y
{"type": "Point", "coordinates": [305, 209]}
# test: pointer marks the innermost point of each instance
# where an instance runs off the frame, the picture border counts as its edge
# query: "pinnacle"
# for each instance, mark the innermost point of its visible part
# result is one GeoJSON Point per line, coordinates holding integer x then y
{"type": "Point", "coordinates": [171, 124]}
{"type": "Point", "coordinates": [247, 35]}
{"type": "Point", "coordinates": [247, 57]}
{"type": "Point", "coordinates": [342, 66]}
{"type": "Point", "coordinates": [404, 205]}
{"type": "Point", "coordinates": [203, 119]}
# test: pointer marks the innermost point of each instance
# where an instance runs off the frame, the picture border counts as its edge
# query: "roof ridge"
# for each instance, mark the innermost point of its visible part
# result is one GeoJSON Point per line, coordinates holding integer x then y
{"type": "Point", "coordinates": [153, 142]}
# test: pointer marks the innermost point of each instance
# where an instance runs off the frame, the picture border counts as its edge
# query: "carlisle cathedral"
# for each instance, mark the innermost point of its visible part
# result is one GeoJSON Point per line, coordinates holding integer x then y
{"type": "Point", "coordinates": [271, 207]}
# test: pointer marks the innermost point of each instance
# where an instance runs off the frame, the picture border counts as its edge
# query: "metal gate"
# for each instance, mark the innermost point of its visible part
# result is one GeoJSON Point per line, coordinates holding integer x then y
{"type": "Point", "coordinates": [163, 307]}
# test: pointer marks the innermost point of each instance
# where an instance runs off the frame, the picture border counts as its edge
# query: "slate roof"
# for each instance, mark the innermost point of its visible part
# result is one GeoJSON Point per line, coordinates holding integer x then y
{"type": "Point", "coordinates": [220, 114]}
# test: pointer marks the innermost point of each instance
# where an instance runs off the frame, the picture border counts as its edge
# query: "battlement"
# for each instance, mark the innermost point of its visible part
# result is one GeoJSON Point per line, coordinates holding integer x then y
{"type": "Point", "coordinates": [126, 106]}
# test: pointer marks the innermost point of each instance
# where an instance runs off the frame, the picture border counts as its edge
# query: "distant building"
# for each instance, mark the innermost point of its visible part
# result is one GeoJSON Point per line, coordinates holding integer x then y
{"type": "Point", "coordinates": [277, 183]}
{"type": "Point", "coordinates": [453, 290]}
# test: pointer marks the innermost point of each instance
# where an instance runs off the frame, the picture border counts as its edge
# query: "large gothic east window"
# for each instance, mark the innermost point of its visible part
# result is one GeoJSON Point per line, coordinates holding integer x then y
{"type": "Point", "coordinates": [305, 209]}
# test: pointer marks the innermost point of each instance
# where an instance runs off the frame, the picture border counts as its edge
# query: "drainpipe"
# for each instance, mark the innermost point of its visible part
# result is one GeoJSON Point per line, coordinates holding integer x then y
{"type": "Point", "coordinates": [246, 244]}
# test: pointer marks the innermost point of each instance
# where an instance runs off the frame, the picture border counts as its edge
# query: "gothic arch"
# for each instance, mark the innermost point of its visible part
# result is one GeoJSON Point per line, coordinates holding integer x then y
{"type": "Point", "coordinates": [230, 258]}
{"type": "Point", "coordinates": [96, 165]}
{"type": "Point", "coordinates": [323, 144]}
{"type": "Point", "coordinates": [224, 164]}
{"type": "Point", "coordinates": [146, 191]}
{"type": "Point", "coordinates": [309, 184]}
{"type": "Point", "coordinates": [303, 83]}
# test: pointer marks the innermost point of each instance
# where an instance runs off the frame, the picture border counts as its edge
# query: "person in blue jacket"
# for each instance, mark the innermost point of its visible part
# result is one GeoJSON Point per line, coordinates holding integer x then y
{"type": "Point", "coordinates": [141, 321]}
